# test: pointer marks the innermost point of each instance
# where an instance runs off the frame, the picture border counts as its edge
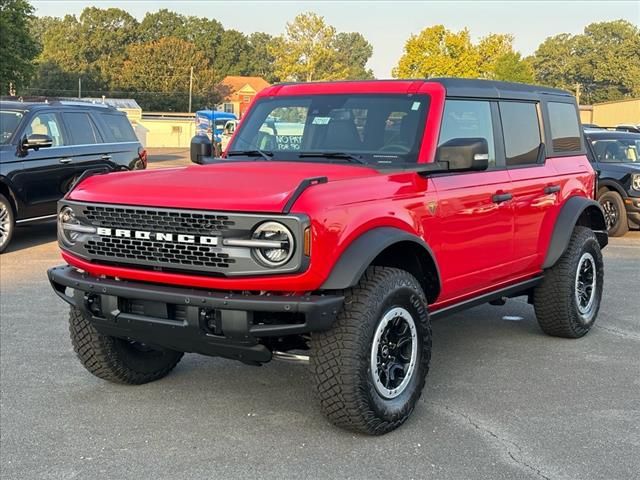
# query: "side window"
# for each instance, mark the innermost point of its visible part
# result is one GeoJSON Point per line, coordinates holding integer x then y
{"type": "Point", "coordinates": [46, 124]}
{"type": "Point", "coordinates": [81, 127]}
{"type": "Point", "coordinates": [521, 131]}
{"type": "Point", "coordinates": [118, 128]}
{"type": "Point", "coordinates": [468, 119]}
{"type": "Point", "coordinates": [565, 130]}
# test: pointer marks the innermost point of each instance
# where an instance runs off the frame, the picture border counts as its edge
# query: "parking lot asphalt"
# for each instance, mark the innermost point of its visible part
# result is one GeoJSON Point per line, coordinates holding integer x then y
{"type": "Point", "coordinates": [502, 400]}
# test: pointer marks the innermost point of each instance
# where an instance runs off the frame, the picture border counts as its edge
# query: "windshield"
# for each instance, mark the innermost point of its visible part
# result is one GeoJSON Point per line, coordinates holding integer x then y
{"type": "Point", "coordinates": [379, 130]}
{"type": "Point", "coordinates": [9, 121]}
{"type": "Point", "coordinates": [613, 150]}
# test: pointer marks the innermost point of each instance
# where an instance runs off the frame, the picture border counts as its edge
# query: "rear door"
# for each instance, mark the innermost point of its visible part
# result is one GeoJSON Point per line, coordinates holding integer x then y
{"type": "Point", "coordinates": [90, 148]}
{"type": "Point", "coordinates": [44, 175]}
{"type": "Point", "coordinates": [121, 143]}
{"type": "Point", "coordinates": [475, 213]}
{"type": "Point", "coordinates": [534, 181]}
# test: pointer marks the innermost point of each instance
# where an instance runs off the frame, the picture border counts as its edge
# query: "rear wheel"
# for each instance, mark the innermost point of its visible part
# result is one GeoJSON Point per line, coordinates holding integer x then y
{"type": "Point", "coordinates": [7, 223]}
{"type": "Point", "coordinates": [568, 299]}
{"type": "Point", "coordinates": [369, 369]}
{"type": "Point", "coordinates": [118, 360]}
{"type": "Point", "coordinates": [615, 213]}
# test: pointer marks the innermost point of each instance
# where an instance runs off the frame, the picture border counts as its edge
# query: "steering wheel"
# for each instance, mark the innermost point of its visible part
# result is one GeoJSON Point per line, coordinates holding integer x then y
{"type": "Point", "coordinates": [395, 148]}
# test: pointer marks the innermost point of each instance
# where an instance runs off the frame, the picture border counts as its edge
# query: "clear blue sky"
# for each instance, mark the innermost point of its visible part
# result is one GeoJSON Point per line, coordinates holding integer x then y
{"type": "Point", "coordinates": [387, 24]}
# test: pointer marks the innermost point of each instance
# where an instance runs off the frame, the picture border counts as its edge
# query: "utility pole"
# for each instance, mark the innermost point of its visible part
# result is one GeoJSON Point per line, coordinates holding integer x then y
{"type": "Point", "coordinates": [190, 88]}
{"type": "Point", "coordinates": [79, 87]}
{"type": "Point", "coordinates": [578, 93]}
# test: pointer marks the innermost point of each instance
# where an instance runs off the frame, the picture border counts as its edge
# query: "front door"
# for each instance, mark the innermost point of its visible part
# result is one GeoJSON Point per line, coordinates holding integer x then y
{"type": "Point", "coordinates": [476, 221]}
{"type": "Point", "coordinates": [45, 174]}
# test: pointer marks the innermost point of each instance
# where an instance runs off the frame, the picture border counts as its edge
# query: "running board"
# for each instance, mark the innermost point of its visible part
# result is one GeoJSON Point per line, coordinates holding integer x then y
{"type": "Point", "coordinates": [510, 291]}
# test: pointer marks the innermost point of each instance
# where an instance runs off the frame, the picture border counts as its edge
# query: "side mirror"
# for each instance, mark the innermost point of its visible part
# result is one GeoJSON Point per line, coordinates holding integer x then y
{"type": "Point", "coordinates": [35, 141]}
{"type": "Point", "coordinates": [464, 154]}
{"type": "Point", "coordinates": [201, 149]}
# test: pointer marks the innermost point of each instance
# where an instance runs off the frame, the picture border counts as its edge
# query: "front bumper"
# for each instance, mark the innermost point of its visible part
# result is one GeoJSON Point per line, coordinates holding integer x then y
{"type": "Point", "coordinates": [632, 205]}
{"type": "Point", "coordinates": [231, 325]}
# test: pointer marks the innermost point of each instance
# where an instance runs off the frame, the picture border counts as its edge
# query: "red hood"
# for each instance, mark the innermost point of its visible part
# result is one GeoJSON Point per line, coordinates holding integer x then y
{"type": "Point", "coordinates": [233, 186]}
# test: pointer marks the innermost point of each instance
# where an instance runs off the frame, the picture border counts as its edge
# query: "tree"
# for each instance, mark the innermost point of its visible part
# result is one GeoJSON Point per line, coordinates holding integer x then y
{"type": "Point", "coordinates": [262, 60]}
{"type": "Point", "coordinates": [438, 52]}
{"type": "Point", "coordinates": [157, 74]}
{"type": "Point", "coordinates": [311, 50]}
{"type": "Point", "coordinates": [511, 67]}
{"type": "Point", "coordinates": [604, 60]}
{"type": "Point", "coordinates": [356, 52]}
{"type": "Point", "coordinates": [19, 48]}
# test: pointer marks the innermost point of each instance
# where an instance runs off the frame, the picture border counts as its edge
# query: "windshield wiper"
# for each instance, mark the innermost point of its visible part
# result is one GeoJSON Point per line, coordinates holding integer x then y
{"type": "Point", "coordinates": [251, 153]}
{"type": "Point", "coordinates": [339, 155]}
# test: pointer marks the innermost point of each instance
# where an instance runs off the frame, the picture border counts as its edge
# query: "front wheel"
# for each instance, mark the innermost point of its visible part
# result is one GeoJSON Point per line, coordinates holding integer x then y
{"type": "Point", "coordinates": [369, 369]}
{"type": "Point", "coordinates": [115, 359]}
{"type": "Point", "coordinates": [7, 223]}
{"type": "Point", "coordinates": [615, 214]}
{"type": "Point", "coordinates": [568, 299]}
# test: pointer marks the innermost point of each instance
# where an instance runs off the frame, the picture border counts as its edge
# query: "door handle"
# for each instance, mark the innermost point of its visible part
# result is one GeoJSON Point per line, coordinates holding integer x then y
{"type": "Point", "coordinates": [501, 197]}
{"type": "Point", "coordinates": [106, 157]}
{"type": "Point", "coordinates": [551, 189]}
{"type": "Point", "coordinates": [65, 160]}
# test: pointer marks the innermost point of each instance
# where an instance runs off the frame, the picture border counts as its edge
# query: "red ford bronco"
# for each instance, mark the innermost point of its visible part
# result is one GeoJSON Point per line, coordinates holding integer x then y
{"type": "Point", "coordinates": [343, 218]}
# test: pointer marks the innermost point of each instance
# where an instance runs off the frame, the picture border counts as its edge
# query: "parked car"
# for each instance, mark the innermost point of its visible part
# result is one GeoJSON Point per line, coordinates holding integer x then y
{"type": "Point", "coordinates": [615, 155]}
{"type": "Point", "coordinates": [45, 147]}
{"type": "Point", "coordinates": [227, 134]}
{"type": "Point", "coordinates": [401, 202]}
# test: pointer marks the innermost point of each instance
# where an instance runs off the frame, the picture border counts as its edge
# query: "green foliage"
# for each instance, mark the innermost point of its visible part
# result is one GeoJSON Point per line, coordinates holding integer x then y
{"type": "Point", "coordinates": [511, 67]}
{"type": "Point", "coordinates": [438, 52]}
{"type": "Point", "coordinates": [312, 50]}
{"type": "Point", "coordinates": [157, 74]}
{"type": "Point", "coordinates": [18, 47]}
{"type": "Point", "coordinates": [604, 60]}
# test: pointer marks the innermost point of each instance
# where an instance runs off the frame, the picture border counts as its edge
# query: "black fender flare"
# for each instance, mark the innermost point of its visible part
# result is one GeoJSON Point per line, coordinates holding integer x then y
{"type": "Point", "coordinates": [612, 185]}
{"type": "Point", "coordinates": [572, 211]}
{"type": "Point", "coordinates": [357, 257]}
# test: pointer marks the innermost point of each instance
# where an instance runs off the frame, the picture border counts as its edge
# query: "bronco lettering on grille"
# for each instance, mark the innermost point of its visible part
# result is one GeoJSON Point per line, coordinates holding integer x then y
{"type": "Point", "coordinates": [158, 236]}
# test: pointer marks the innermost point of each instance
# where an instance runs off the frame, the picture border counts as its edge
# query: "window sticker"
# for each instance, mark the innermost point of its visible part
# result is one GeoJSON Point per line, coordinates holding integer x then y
{"type": "Point", "coordinates": [415, 106]}
{"type": "Point", "coordinates": [321, 120]}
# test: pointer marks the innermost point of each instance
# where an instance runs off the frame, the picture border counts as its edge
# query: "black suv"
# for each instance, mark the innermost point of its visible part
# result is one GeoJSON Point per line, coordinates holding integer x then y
{"type": "Point", "coordinates": [46, 147]}
{"type": "Point", "coordinates": [615, 155]}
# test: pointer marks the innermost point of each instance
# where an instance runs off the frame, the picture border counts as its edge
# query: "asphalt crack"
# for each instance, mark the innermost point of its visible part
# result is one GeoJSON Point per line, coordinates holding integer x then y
{"type": "Point", "coordinates": [620, 333]}
{"type": "Point", "coordinates": [512, 449]}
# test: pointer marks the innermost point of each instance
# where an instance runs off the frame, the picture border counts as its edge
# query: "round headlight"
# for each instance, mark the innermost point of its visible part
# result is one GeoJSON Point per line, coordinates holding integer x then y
{"type": "Point", "coordinates": [279, 244]}
{"type": "Point", "coordinates": [69, 227]}
{"type": "Point", "coordinates": [635, 182]}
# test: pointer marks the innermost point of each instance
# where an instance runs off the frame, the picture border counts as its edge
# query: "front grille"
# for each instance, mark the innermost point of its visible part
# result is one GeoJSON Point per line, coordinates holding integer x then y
{"type": "Point", "coordinates": [158, 220]}
{"type": "Point", "coordinates": [174, 254]}
{"type": "Point", "coordinates": [176, 240]}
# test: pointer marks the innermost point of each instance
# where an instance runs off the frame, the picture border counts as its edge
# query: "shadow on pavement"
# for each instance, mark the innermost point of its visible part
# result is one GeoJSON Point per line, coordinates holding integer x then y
{"type": "Point", "coordinates": [26, 236]}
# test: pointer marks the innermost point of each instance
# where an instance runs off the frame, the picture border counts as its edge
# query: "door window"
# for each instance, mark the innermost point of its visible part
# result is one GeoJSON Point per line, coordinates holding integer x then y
{"type": "Point", "coordinates": [565, 130]}
{"type": "Point", "coordinates": [46, 124]}
{"type": "Point", "coordinates": [468, 119]}
{"type": "Point", "coordinates": [521, 131]}
{"type": "Point", "coordinates": [83, 131]}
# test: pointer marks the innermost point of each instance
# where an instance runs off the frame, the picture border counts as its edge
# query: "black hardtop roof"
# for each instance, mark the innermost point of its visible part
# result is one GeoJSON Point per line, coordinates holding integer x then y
{"type": "Point", "coordinates": [602, 134]}
{"type": "Point", "coordinates": [468, 87]}
{"type": "Point", "coordinates": [38, 105]}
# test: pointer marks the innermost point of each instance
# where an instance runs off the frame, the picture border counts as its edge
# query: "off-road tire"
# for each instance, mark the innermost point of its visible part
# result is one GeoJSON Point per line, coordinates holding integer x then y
{"type": "Point", "coordinates": [613, 200]}
{"type": "Point", "coordinates": [341, 357]}
{"type": "Point", "coordinates": [115, 359]}
{"type": "Point", "coordinates": [555, 301]}
{"type": "Point", "coordinates": [7, 223]}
